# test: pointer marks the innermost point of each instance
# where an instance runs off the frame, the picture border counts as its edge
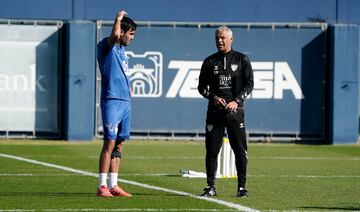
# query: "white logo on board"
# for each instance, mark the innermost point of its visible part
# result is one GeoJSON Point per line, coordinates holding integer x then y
{"type": "Point", "coordinates": [146, 74]}
{"type": "Point", "coordinates": [271, 79]}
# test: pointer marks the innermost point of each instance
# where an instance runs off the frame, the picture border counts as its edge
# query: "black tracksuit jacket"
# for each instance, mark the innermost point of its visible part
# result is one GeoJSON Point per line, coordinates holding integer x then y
{"type": "Point", "coordinates": [229, 76]}
{"type": "Point", "coordinates": [226, 75]}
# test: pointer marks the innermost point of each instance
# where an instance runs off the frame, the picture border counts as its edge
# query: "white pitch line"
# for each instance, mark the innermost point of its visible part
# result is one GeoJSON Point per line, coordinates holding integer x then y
{"type": "Point", "coordinates": [220, 202]}
{"type": "Point", "coordinates": [161, 175]}
{"type": "Point", "coordinates": [304, 158]}
{"type": "Point", "coordinates": [35, 175]}
{"type": "Point", "coordinates": [308, 176]}
{"type": "Point", "coordinates": [157, 157]}
{"type": "Point", "coordinates": [250, 157]}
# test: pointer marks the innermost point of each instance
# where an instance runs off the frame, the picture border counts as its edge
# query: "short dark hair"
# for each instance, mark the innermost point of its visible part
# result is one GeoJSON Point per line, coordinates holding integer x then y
{"type": "Point", "coordinates": [128, 24]}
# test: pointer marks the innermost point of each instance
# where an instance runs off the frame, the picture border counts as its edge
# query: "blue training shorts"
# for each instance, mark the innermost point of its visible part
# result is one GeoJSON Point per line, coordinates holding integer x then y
{"type": "Point", "coordinates": [116, 116]}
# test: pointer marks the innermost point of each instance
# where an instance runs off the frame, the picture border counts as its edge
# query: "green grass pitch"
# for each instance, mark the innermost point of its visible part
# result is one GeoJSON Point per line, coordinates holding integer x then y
{"type": "Point", "coordinates": [62, 176]}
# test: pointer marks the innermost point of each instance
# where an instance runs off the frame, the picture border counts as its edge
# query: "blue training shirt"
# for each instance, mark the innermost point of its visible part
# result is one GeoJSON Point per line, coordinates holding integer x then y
{"type": "Point", "coordinates": [115, 75]}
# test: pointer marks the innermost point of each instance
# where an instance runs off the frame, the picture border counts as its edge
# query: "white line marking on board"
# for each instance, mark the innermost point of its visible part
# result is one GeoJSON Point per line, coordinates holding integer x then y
{"type": "Point", "coordinates": [218, 201]}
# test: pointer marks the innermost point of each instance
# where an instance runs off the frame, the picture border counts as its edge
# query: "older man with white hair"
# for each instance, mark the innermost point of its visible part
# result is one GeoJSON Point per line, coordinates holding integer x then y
{"type": "Point", "coordinates": [226, 79]}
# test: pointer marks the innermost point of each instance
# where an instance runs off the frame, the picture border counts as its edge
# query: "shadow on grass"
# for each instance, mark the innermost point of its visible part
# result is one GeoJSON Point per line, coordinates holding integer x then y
{"type": "Point", "coordinates": [68, 194]}
{"type": "Point", "coordinates": [346, 208]}
{"type": "Point", "coordinates": [56, 194]}
{"type": "Point", "coordinates": [173, 175]}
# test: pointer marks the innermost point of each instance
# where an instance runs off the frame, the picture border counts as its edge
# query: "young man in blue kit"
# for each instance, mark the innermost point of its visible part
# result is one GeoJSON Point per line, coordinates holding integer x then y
{"type": "Point", "coordinates": [115, 102]}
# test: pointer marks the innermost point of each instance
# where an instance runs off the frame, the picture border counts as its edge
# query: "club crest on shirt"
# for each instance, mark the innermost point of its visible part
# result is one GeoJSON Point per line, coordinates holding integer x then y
{"type": "Point", "coordinates": [216, 70]}
{"type": "Point", "coordinates": [209, 127]}
{"type": "Point", "coordinates": [241, 125]}
{"type": "Point", "coordinates": [234, 67]}
{"type": "Point", "coordinates": [126, 68]}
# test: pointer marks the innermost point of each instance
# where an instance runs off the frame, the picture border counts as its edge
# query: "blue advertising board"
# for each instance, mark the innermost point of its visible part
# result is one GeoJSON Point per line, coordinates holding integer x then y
{"type": "Point", "coordinates": [289, 73]}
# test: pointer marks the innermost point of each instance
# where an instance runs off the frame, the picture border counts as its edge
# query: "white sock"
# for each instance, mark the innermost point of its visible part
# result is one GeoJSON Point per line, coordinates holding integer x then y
{"type": "Point", "coordinates": [113, 178]}
{"type": "Point", "coordinates": [102, 179]}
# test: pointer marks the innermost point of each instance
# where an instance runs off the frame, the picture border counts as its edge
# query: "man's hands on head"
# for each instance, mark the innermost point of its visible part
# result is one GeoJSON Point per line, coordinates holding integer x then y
{"type": "Point", "coordinates": [116, 30]}
{"type": "Point", "coordinates": [120, 15]}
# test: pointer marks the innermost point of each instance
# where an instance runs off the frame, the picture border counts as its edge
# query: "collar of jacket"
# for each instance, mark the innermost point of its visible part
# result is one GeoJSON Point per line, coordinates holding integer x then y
{"type": "Point", "coordinates": [227, 53]}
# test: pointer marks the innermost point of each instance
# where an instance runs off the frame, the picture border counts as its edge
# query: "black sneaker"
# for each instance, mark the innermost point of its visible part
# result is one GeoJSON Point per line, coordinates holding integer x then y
{"type": "Point", "coordinates": [242, 192]}
{"type": "Point", "coordinates": [209, 191]}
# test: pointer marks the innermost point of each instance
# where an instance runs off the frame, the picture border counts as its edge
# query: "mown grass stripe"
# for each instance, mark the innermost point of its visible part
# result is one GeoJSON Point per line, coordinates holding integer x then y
{"type": "Point", "coordinates": [68, 169]}
{"type": "Point", "coordinates": [120, 209]}
{"type": "Point", "coordinates": [160, 175]}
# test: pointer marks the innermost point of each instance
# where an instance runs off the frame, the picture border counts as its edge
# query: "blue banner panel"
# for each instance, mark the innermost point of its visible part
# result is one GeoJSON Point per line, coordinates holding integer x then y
{"type": "Point", "coordinates": [205, 10]}
{"type": "Point", "coordinates": [185, 10]}
{"type": "Point", "coordinates": [288, 63]}
{"type": "Point", "coordinates": [37, 9]}
{"type": "Point", "coordinates": [80, 77]}
{"type": "Point", "coordinates": [348, 11]}
{"type": "Point", "coordinates": [344, 84]}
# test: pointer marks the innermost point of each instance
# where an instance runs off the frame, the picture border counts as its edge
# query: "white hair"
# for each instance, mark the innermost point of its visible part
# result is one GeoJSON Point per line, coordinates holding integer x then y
{"type": "Point", "coordinates": [227, 29]}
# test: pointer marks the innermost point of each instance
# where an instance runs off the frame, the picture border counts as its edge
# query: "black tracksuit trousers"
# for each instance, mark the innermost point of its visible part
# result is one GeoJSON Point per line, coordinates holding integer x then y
{"type": "Point", "coordinates": [216, 122]}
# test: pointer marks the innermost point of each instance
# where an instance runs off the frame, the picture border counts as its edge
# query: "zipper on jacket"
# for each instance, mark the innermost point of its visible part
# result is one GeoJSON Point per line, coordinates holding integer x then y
{"type": "Point", "coordinates": [224, 63]}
